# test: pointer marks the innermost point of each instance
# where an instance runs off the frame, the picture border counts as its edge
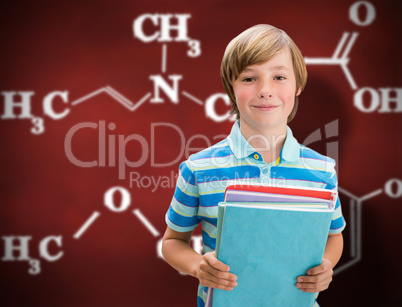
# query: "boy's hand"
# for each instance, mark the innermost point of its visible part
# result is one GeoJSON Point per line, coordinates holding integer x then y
{"type": "Point", "coordinates": [318, 278]}
{"type": "Point", "coordinates": [214, 273]}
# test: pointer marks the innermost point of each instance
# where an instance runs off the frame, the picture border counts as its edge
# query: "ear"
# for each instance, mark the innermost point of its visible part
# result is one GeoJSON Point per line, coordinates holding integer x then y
{"type": "Point", "coordinates": [298, 91]}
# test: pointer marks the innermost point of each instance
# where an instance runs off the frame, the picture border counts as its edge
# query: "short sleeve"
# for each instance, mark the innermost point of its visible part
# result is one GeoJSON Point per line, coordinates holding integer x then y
{"type": "Point", "coordinates": [338, 223]}
{"type": "Point", "coordinates": [182, 213]}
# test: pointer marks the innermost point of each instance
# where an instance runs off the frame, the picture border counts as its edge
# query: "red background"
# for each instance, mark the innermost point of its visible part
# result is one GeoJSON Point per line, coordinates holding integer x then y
{"type": "Point", "coordinates": [82, 46]}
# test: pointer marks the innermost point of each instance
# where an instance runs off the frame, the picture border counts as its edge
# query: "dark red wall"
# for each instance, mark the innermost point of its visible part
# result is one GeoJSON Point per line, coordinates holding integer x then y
{"type": "Point", "coordinates": [80, 47]}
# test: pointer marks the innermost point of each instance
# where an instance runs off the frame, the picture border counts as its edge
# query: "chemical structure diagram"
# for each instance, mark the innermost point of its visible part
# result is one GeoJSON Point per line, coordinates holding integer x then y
{"type": "Point", "coordinates": [379, 99]}
{"type": "Point", "coordinates": [392, 188]}
{"type": "Point", "coordinates": [20, 244]}
{"type": "Point", "coordinates": [380, 102]}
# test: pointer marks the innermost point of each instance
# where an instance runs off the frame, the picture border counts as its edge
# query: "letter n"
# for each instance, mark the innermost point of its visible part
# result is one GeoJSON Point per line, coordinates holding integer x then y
{"type": "Point", "coordinates": [170, 91]}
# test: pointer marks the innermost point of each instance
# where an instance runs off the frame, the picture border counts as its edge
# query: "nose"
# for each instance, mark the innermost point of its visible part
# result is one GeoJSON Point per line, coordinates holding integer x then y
{"type": "Point", "coordinates": [265, 90]}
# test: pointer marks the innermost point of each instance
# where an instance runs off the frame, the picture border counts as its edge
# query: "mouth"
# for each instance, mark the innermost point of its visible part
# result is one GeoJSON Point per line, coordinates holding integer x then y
{"type": "Point", "coordinates": [265, 108]}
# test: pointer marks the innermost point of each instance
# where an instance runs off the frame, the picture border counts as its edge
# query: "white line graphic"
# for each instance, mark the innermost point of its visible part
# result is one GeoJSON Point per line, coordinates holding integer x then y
{"type": "Point", "coordinates": [355, 207]}
{"type": "Point", "coordinates": [372, 194]}
{"type": "Point", "coordinates": [196, 100]}
{"type": "Point", "coordinates": [342, 60]}
{"type": "Point", "coordinates": [124, 100]}
{"type": "Point", "coordinates": [97, 92]}
{"type": "Point", "coordinates": [146, 223]}
{"type": "Point", "coordinates": [115, 95]}
{"type": "Point", "coordinates": [164, 54]}
{"type": "Point", "coordinates": [88, 223]}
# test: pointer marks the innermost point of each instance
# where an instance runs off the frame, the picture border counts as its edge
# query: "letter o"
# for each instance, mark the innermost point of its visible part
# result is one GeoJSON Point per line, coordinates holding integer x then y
{"type": "Point", "coordinates": [388, 188]}
{"type": "Point", "coordinates": [375, 100]}
{"type": "Point", "coordinates": [145, 182]}
{"type": "Point", "coordinates": [125, 199]}
{"type": "Point", "coordinates": [354, 13]}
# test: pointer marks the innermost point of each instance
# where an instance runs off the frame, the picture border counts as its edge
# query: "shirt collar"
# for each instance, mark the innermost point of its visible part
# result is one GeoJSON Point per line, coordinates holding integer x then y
{"type": "Point", "coordinates": [238, 144]}
{"type": "Point", "coordinates": [241, 148]}
{"type": "Point", "coordinates": [290, 150]}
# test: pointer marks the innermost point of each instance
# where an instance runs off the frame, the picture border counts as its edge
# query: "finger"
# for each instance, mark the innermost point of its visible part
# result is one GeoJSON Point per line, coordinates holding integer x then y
{"type": "Point", "coordinates": [221, 275]}
{"type": "Point", "coordinates": [324, 266]}
{"type": "Point", "coordinates": [315, 278]}
{"type": "Point", "coordinates": [219, 265]}
{"type": "Point", "coordinates": [314, 286]}
{"type": "Point", "coordinates": [212, 284]}
{"type": "Point", "coordinates": [310, 290]}
{"type": "Point", "coordinates": [220, 281]}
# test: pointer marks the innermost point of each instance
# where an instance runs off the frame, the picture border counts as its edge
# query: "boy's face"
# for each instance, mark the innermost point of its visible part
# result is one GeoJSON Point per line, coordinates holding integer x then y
{"type": "Point", "coordinates": [265, 93]}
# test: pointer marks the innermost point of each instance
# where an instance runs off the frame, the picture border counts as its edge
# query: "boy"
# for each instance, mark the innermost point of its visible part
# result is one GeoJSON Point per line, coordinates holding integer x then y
{"type": "Point", "coordinates": [263, 73]}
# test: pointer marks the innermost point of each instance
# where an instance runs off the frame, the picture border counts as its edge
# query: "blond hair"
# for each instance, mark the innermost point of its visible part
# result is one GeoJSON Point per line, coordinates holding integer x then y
{"type": "Point", "coordinates": [257, 45]}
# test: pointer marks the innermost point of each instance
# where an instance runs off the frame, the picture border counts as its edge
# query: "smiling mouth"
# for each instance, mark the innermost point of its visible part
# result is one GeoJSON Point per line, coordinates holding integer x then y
{"type": "Point", "coordinates": [266, 108]}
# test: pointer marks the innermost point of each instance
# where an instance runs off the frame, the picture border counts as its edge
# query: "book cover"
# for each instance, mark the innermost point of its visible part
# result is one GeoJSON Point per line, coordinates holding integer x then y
{"type": "Point", "coordinates": [268, 247]}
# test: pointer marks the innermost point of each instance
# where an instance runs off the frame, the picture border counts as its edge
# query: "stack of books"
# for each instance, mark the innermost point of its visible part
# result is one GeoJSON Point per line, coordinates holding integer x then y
{"type": "Point", "coordinates": [269, 236]}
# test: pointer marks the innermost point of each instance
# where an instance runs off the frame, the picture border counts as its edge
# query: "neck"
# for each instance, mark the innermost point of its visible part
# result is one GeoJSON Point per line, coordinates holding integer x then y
{"type": "Point", "coordinates": [268, 142]}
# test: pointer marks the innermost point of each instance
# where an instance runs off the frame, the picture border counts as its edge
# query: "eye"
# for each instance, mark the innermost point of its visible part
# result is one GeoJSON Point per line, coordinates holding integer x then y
{"type": "Point", "coordinates": [279, 78]}
{"type": "Point", "coordinates": [248, 79]}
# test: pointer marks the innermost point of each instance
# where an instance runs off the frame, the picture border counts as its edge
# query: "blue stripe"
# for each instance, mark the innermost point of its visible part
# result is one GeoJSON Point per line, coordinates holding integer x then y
{"type": "Point", "coordinates": [212, 152]}
{"type": "Point", "coordinates": [180, 220]}
{"type": "Point", "coordinates": [207, 245]}
{"type": "Point", "coordinates": [200, 302]}
{"type": "Point", "coordinates": [337, 204]}
{"type": "Point", "coordinates": [208, 241]}
{"type": "Point", "coordinates": [186, 173]}
{"type": "Point", "coordinates": [211, 220]}
{"type": "Point", "coordinates": [331, 185]}
{"type": "Point", "coordinates": [181, 197]}
{"type": "Point", "coordinates": [303, 174]}
{"type": "Point", "coordinates": [229, 173]}
{"type": "Point", "coordinates": [333, 182]}
{"type": "Point", "coordinates": [311, 154]}
{"type": "Point", "coordinates": [211, 200]}
{"type": "Point", "coordinates": [338, 223]}
{"type": "Point", "coordinates": [184, 204]}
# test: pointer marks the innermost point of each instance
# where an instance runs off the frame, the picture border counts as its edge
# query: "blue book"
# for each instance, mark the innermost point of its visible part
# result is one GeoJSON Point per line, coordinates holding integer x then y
{"type": "Point", "coordinates": [268, 246]}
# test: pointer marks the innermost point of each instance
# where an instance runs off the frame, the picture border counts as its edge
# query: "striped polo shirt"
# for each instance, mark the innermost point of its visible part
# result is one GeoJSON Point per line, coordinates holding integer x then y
{"type": "Point", "coordinates": [204, 176]}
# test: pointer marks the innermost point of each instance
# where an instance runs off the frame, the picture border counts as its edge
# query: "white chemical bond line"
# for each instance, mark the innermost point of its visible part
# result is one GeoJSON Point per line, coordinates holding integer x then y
{"type": "Point", "coordinates": [115, 95]}
{"type": "Point", "coordinates": [96, 214]}
{"type": "Point", "coordinates": [342, 60]}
